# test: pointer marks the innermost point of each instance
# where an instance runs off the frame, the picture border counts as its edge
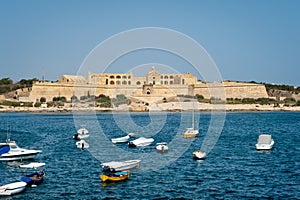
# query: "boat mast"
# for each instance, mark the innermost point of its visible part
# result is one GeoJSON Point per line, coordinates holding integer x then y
{"type": "Point", "coordinates": [193, 117]}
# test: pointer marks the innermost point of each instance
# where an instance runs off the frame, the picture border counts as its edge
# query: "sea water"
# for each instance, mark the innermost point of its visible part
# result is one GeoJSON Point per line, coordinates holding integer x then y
{"type": "Point", "coordinates": [233, 168]}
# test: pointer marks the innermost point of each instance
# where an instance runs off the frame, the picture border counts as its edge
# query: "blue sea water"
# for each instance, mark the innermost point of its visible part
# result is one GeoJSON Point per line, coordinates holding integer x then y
{"type": "Point", "coordinates": [233, 168]}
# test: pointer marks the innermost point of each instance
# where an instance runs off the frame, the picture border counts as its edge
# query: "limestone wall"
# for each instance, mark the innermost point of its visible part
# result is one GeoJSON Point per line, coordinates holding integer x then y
{"type": "Point", "coordinates": [231, 90]}
{"type": "Point", "coordinates": [225, 90]}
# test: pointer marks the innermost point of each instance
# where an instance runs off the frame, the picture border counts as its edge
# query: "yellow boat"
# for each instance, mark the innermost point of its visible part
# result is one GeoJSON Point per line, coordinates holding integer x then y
{"type": "Point", "coordinates": [114, 177]}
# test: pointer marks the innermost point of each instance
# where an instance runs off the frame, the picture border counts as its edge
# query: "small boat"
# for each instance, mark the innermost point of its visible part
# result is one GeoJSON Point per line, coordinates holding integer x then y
{"type": "Point", "coordinates": [141, 142]}
{"type": "Point", "coordinates": [34, 178]}
{"type": "Point", "coordinates": [33, 165]}
{"type": "Point", "coordinates": [12, 188]}
{"type": "Point", "coordinates": [82, 144]}
{"type": "Point", "coordinates": [10, 151]}
{"type": "Point", "coordinates": [116, 166]}
{"type": "Point", "coordinates": [122, 139]}
{"type": "Point", "coordinates": [191, 132]}
{"type": "Point", "coordinates": [199, 155]}
{"type": "Point", "coordinates": [114, 177]}
{"type": "Point", "coordinates": [162, 147]}
{"type": "Point", "coordinates": [264, 142]}
{"type": "Point", "coordinates": [81, 134]}
{"type": "Point", "coordinates": [82, 131]}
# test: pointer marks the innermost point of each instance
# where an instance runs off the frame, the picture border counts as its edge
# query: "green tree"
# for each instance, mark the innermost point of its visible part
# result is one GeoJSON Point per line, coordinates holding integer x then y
{"type": "Point", "coordinates": [42, 99]}
{"type": "Point", "coordinates": [6, 81]}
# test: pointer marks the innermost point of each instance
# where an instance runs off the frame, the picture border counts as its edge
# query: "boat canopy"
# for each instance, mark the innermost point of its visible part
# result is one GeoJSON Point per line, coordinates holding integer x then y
{"type": "Point", "coordinates": [4, 149]}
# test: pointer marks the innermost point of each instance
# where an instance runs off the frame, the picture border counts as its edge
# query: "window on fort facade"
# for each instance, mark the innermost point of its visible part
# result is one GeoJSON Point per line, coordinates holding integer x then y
{"type": "Point", "coordinates": [171, 82]}
{"type": "Point", "coordinates": [129, 77]}
{"type": "Point", "coordinates": [161, 82]}
{"type": "Point", "coordinates": [124, 83]}
{"type": "Point", "coordinates": [166, 77]}
{"type": "Point", "coordinates": [138, 83]}
{"type": "Point", "coordinates": [166, 82]}
{"type": "Point", "coordinates": [111, 82]}
{"type": "Point", "coordinates": [112, 77]}
{"type": "Point", "coordinates": [153, 77]}
{"type": "Point", "coordinates": [161, 77]}
{"type": "Point", "coordinates": [124, 77]}
{"type": "Point", "coordinates": [129, 83]}
{"type": "Point", "coordinates": [118, 77]}
{"type": "Point", "coordinates": [171, 77]}
{"type": "Point", "coordinates": [118, 82]}
{"type": "Point", "coordinates": [183, 82]}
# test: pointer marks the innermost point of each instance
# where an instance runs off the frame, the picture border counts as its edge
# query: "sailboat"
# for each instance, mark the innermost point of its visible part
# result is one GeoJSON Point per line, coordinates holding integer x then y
{"type": "Point", "coordinates": [191, 132]}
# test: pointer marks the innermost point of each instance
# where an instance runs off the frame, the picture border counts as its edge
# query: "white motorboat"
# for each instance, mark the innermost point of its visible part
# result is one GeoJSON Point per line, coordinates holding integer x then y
{"type": "Point", "coordinates": [82, 144]}
{"type": "Point", "coordinates": [122, 139]}
{"type": "Point", "coordinates": [264, 142]}
{"type": "Point", "coordinates": [33, 165]}
{"type": "Point", "coordinates": [162, 147]}
{"type": "Point", "coordinates": [10, 151]}
{"type": "Point", "coordinates": [115, 166]}
{"type": "Point", "coordinates": [141, 142]}
{"type": "Point", "coordinates": [12, 188]}
{"type": "Point", "coordinates": [199, 155]}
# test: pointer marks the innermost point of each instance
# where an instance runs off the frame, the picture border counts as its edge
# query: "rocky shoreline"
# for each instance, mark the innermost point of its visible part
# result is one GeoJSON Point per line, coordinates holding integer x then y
{"type": "Point", "coordinates": [165, 107]}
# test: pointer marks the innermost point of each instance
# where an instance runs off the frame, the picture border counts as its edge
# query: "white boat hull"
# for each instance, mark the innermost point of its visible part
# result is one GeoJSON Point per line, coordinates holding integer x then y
{"type": "Point", "coordinates": [141, 142]}
{"type": "Point", "coordinates": [12, 188]}
{"type": "Point", "coordinates": [264, 146]}
{"type": "Point", "coordinates": [120, 140]}
{"type": "Point", "coordinates": [82, 144]}
{"type": "Point", "coordinates": [14, 152]}
{"type": "Point", "coordinates": [32, 165]}
{"type": "Point", "coordinates": [264, 142]}
{"type": "Point", "coordinates": [162, 147]}
{"type": "Point", "coordinates": [199, 155]}
{"type": "Point", "coordinates": [121, 166]}
{"type": "Point", "coordinates": [15, 157]}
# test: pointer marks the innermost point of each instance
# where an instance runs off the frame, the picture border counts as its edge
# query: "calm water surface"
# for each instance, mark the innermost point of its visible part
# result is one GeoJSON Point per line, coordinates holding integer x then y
{"type": "Point", "coordinates": [232, 170]}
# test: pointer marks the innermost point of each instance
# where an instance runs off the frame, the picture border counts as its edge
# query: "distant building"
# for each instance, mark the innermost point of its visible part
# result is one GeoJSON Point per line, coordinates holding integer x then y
{"type": "Point", "coordinates": [151, 88]}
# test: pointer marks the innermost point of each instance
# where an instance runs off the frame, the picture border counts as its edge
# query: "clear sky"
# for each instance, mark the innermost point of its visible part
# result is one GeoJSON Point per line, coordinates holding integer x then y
{"type": "Point", "coordinates": [250, 40]}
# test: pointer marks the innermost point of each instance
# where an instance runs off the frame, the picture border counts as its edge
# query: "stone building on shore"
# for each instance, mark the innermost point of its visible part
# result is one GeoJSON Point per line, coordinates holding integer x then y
{"type": "Point", "coordinates": [151, 88]}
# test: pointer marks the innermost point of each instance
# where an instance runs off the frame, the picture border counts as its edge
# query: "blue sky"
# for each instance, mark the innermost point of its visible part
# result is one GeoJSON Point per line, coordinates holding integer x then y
{"type": "Point", "coordinates": [251, 40]}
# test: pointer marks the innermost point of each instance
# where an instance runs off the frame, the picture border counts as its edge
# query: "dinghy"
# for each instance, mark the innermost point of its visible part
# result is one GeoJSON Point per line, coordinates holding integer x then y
{"type": "Point", "coordinates": [115, 177]}
{"type": "Point", "coordinates": [122, 139]}
{"type": "Point", "coordinates": [33, 165]}
{"type": "Point", "coordinates": [34, 178]}
{"type": "Point", "coordinates": [141, 142]}
{"type": "Point", "coordinates": [82, 144]}
{"type": "Point", "coordinates": [162, 147]}
{"type": "Point", "coordinates": [12, 188]}
{"type": "Point", "coordinates": [199, 155]}
{"type": "Point", "coordinates": [116, 166]}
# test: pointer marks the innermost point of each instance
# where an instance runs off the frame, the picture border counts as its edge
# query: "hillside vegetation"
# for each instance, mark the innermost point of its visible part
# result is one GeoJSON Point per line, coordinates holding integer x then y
{"type": "Point", "coordinates": [7, 85]}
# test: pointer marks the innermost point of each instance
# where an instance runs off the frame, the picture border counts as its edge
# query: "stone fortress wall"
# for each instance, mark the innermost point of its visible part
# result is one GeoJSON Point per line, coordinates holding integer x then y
{"type": "Point", "coordinates": [153, 87]}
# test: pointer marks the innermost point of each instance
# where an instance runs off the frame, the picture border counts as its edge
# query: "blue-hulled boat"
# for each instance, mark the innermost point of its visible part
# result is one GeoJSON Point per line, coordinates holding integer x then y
{"type": "Point", "coordinates": [34, 178]}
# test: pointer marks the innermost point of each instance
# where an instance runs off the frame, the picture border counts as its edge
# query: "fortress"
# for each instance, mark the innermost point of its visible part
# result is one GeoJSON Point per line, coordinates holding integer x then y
{"type": "Point", "coordinates": [151, 88]}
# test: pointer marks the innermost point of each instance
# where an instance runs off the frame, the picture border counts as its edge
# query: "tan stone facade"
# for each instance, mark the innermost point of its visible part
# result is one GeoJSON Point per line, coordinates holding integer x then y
{"type": "Point", "coordinates": [153, 87]}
